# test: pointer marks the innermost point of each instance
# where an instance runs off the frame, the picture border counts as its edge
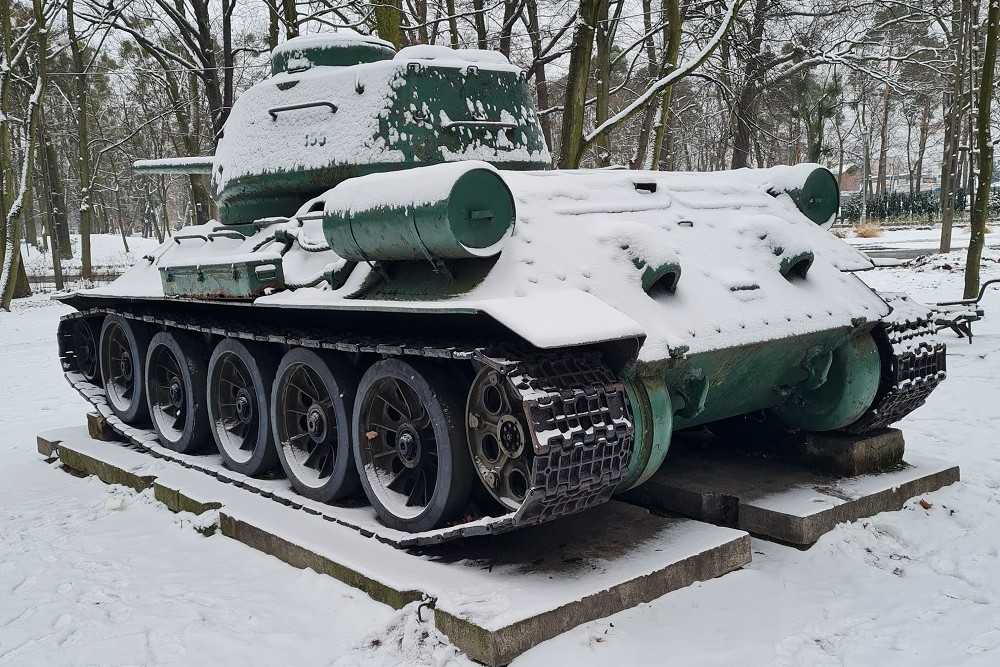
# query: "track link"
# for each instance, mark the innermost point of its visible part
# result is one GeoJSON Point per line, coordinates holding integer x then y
{"type": "Point", "coordinates": [575, 407]}
{"type": "Point", "coordinates": [916, 364]}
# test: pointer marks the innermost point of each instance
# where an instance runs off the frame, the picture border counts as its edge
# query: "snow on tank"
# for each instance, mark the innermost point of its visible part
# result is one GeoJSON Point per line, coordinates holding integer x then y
{"type": "Point", "coordinates": [339, 106]}
{"type": "Point", "coordinates": [558, 324]}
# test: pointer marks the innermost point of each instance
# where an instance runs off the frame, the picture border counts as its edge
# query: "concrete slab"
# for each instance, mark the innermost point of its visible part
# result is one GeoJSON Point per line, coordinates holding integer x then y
{"type": "Point", "coordinates": [851, 455]}
{"type": "Point", "coordinates": [494, 597]}
{"type": "Point", "coordinates": [100, 429]}
{"type": "Point", "coordinates": [780, 498]}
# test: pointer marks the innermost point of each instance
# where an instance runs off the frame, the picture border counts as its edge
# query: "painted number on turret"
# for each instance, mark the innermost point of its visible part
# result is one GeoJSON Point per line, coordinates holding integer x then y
{"type": "Point", "coordinates": [315, 139]}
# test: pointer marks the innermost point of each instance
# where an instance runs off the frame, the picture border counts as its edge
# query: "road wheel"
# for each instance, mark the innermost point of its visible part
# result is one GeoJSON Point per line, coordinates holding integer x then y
{"type": "Point", "coordinates": [85, 350]}
{"type": "Point", "coordinates": [240, 376]}
{"type": "Point", "coordinates": [311, 410]}
{"type": "Point", "coordinates": [410, 446]}
{"type": "Point", "coordinates": [175, 387]}
{"type": "Point", "coordinates": [123, 354]}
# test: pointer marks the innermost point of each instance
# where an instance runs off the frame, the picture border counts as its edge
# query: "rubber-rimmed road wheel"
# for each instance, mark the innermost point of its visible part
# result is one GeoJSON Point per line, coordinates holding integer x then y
{"type": "Point", "coordinates": [311, 415]}
{"type": "Point", "coordinates": [240, 376]}
{"type": "Point", "coordinates": [123, 354]}
{"type": "Point", "coordinates": [175, 389]}
{"type": "Point", "coordinates": [410, 446]}
{"type": "Point", "coordinates": [85, 351]}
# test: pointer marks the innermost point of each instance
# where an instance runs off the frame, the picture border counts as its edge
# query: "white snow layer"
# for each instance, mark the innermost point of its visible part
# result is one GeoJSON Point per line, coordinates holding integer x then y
{"type": "Point", "coordinates": [343, 37]}
{"type": "Point", "coordinates": [460, 57]}
{"type": "Point", "coordinates": [574, 250]}
{"type": "Point", "coordinates": [399, 189]}
{"type": "Point", "coordinates": [257, 143]}
{"type": "Point", "coordinates": [83, 583]}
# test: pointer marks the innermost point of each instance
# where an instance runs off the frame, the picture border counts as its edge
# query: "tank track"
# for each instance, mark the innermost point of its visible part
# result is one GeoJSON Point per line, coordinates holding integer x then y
{"type": "Point", "coordinates": [576, 408]}
{"type": "Point", "coordinates": [915, 365]}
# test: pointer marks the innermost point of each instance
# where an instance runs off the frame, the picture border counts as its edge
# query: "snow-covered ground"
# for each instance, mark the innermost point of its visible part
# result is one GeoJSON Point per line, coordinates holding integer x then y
{"type": "Point", "coordinates": [917, 237]}
{"type": "Point", "coordinates": [107, 254]}
{"type": "Point", "coordinates": [81, 583]}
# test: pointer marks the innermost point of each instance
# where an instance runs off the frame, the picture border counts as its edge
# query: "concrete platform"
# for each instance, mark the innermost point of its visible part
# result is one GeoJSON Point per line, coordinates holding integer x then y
{"type": "Point", "coordinates": [785, 498]}
{"type": "Point", "coordinates": [494, 597]}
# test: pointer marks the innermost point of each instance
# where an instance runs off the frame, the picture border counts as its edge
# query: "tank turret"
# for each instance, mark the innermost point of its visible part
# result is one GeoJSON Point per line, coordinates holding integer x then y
{"type": "Point", "coordinates": [340, 105]}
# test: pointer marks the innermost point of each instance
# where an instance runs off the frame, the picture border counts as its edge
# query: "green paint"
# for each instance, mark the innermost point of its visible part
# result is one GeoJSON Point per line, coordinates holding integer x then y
{"type": "Point", "coordinates": [445, 134]}
{"type": "Point", "coordinates": [819, 382]}
{"type": "Point", "coordinates": [797, 265]}
{"type": "Point", "coordinates": [233, 280]}
{"type": "Point", "coordinates": [476, 213]}
{"type": "Point", "coordinates": [423, 281]}
{"type": "Point", "coordinates": [331, 55]}
{"type": "Point", "coordinates": [850, 387]}
{"type": "Point", "coordinates": [709, 386]}
{"type": "Point", "coordinates": [652, 416]}
{"type": "Point", "coordinates": [819, 196]}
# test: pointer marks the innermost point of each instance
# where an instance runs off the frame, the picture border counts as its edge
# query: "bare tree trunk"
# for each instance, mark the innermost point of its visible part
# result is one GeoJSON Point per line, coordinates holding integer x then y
{"type": "Point", "coordinates": [49, 203]}
{"type": "Point", "coordinates": [510, 10]}
{"type": "Point", "coordinates": [291, 18]}
{"type": "Point", "coordinates": [746, 104]}
{"type": "Point", "coordinates": [83, 135]}
{"type": "Point", "coordinates": [453, 22]}
{"type": "Point", "coordinates": [952, 124]}
{"type": "Point", "coordinates": [56, 200]}
{"type": "Point", "coordinates": [652, 71]}
{"type": "Point", "coordinates": [387, 20]}
{"type": "Point", "coordinates": [272, 24]}
{"type": "Point", "coordinates": [581, 52]}
{"type": "Point", "coordinates": [479, 18]}
{"type": "Point", "coordinates": [541, 84]}
{"type": "Point", "coordinates": [672, 38]}
{"type": "Point", "coordinates": [604, 34]}
{"type": "Point", "coordinates": [30, 228]}
{"type": "Point", "coordinates": [925, 128]}
{"type": "Point", "coordinates": [883, 150]}
{"type": "Point", "coordinates": [980, 208]}
{"type": "Point", "coordinates": [13, 279]}
{"type": "Point", "coordinates": [420, 16]}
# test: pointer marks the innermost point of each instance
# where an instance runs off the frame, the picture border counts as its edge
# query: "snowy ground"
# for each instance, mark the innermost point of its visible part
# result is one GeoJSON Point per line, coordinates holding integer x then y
{"type": "Point", "coordinates": [916, 238]}
{"type": "Point", "coordinates": [107, 254]}
{"type": "Point", "coordinates": [81, 583]}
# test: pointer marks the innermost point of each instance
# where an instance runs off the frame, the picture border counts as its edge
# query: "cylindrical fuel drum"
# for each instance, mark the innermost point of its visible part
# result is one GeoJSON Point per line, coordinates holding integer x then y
{"type": "Point", "coordinates": [812, 187]}
{"type": "Point", "coordinates": [455, 210]}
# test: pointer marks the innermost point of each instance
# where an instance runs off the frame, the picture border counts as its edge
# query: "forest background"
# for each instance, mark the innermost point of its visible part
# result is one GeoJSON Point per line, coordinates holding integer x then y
{"type": "Point", "coordinates": [897, 97]}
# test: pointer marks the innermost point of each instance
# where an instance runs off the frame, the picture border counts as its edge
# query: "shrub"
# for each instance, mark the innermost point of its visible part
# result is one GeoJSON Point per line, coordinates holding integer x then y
{"type": "Point", "coordinates": [868, 230]}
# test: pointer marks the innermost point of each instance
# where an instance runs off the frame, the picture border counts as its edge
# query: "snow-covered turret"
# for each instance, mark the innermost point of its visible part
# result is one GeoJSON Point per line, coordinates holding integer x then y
{"type": "Point", "coordinates": [341, 105]}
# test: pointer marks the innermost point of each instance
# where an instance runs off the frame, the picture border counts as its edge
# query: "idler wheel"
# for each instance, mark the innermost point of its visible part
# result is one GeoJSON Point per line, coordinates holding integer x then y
{"type": "Point", "coordinates": [240, 377]}
{"type": "Point", "coordinates": [499, 439]}
{"type": "Point", "coordinates": [409, 444]}
{"type": "Point", "coordinates": [311, 413]}
{"type": "Point", "coordinates": [85, 351]}
{"type": "Point", "coordinates": [123, 354]}
{"type": "Point", "coordinates": [175, 386]}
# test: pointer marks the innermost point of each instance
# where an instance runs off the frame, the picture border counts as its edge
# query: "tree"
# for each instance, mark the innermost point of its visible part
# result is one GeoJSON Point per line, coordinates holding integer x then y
{"type": "Point", "coordinates": [980, 207]}
{"type": "Point", "coordinates": [16, 165]}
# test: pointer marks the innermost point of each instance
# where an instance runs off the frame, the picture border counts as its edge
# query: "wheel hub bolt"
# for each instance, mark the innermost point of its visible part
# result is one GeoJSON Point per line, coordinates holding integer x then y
{"type": "Point", "coordinates": [126, 365]}
{"type": "Point", "coordinates": [176, 393]}
{"type": "Point", "coordinates": [408, 447]}
{"type": "Point", "coordinates": [315, 424]}
{"type": "Point", "coordinates": [244, 409]}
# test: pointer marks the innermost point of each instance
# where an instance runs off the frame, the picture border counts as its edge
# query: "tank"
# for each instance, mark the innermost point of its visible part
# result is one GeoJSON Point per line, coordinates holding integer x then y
{"type": "Point", "coordinates": [402, 301]}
